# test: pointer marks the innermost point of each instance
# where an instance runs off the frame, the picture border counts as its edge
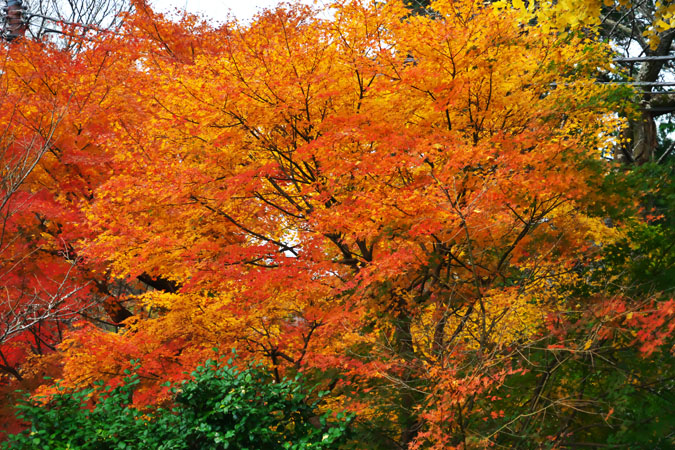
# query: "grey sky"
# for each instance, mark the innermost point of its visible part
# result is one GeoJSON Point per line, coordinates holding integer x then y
{"type": "Point", "coordinates": [218, 9]}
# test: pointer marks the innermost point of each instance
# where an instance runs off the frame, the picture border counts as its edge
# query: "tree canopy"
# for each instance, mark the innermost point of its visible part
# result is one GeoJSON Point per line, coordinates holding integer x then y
{"type": "Point", "coordinates": [415, 211]}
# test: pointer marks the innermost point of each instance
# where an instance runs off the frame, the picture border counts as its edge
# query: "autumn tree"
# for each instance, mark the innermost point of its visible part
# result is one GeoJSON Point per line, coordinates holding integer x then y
{"type": "Point", "coordinates": [44, 135]}
{"type": "Point", "coordinates": [413, 210]}
{"type": "Point", "coordinates": [48, 169]}
{"type": "Point", "coordinates": [401, 201]}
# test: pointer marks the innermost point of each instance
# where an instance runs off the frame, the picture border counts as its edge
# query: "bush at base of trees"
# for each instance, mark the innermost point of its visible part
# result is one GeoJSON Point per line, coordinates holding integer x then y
{"type": "Point", "coordinates": [219, 407]}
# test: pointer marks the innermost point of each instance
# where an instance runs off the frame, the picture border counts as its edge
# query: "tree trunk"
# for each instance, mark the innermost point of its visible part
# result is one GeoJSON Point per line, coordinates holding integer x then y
{"type": "Point", "coordinates": [642, 134]}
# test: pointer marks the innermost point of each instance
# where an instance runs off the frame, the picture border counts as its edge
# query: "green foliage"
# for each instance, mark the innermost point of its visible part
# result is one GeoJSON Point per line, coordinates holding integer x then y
{"type": "Point", "coordinates": [219, 407]}
{"type": "Point", "coordinates": [666, 138]}
{"type": "Point", "coordinates": [604, 397]}
{"type": "Point", "coordinates": [588, 382]}
{"type": "Point", "coordinates": [644, 259]}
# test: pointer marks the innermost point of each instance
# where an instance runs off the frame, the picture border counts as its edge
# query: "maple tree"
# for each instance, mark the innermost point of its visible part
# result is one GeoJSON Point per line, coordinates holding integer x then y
{"type": "Point", "coordinates": [29, 301]}
{"type": "Point", "coordinates": [311, 165]}
{"type": "Point", "coordinates": [411, 210]}
{"type": "Point", "coordinates": [48, 169]}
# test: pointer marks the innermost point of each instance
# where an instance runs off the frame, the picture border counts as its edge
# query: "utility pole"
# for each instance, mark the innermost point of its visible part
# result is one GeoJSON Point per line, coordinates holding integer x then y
{"type": "Point", "coordinates": [14, 23]}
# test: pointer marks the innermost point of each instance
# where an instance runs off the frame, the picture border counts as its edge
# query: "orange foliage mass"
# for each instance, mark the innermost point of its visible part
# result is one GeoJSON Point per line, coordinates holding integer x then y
{"type": "Point", "coordinates": [391, 200]}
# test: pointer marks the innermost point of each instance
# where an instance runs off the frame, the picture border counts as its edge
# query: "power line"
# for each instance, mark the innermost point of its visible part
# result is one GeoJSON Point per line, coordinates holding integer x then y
{"type": "Point", "coordinates": [645, 58]}
{"type": "Point", "coordinates": [659, 109]}
{"type": "Point", "coordinates": [641, 83]}
{"type": "Point", "coordinates": [657, 92]}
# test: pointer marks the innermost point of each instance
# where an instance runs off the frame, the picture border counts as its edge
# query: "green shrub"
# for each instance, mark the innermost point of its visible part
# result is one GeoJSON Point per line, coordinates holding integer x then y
{"type": "Point", "coordinates": [219, 407]}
